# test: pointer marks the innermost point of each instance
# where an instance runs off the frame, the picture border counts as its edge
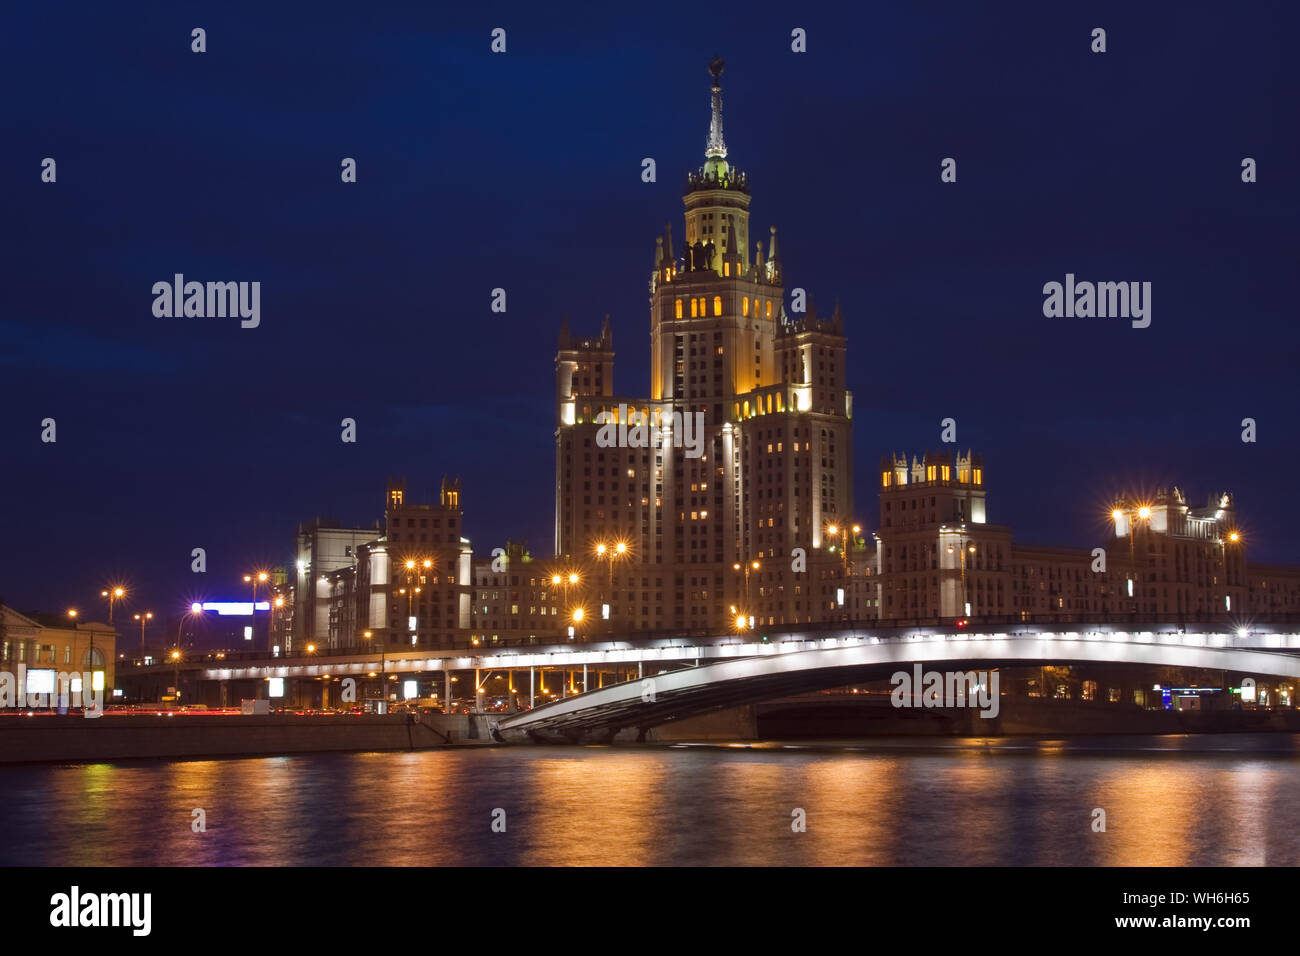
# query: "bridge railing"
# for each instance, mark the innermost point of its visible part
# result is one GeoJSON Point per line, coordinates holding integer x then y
{"type": "Point", "coordinates": [1221, 623]}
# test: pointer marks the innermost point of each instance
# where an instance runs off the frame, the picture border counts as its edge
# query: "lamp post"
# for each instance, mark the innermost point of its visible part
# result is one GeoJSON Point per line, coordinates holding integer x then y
{"type": "Point", "coordinates": [368, 635]}
{"type": "Point", "coordinates": [842, 532]}
{"type": "Point", "coordinates": [278, 602]}
{"type": "Point", "coordinates": [1233, 537]}
{"type": "Point", "coordinates": [254, 579]}
{"type": "Point", "coordinates": [966, 547]}
{"type": "Point", "coordinates": [1133, 515]}
{"type": "Point", "coordinates": [143, 618]}
{"type": "Point", "coordinates": [176, 677]}
{"type": "Point", "coordinates": [113, 595]}
{"type": "Point", "coordinates": [747, 567]}
{"type": "Point", "coordinates": [609, 553]}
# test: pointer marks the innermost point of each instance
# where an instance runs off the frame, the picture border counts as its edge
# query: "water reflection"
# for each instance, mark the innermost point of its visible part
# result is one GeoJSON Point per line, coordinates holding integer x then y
{"type": "Point", "coordinates": [1168, 802]}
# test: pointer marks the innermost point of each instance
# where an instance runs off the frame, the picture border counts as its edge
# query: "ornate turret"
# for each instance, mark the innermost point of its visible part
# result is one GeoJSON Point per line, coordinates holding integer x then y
{"type": "Point", "coordinates": [774, 274]}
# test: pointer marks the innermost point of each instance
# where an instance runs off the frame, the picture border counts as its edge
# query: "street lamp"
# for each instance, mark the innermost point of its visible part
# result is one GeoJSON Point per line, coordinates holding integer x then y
{"type": "Point", "coordinates": [176, 678]}
{"type": "Point", "coordinates": [278, 602]}
{"type": "Point", "coordinates": [609, 553]}
{"type": "Point", "coordinates": [1233, 537]}
{"type": "Point", "coordinates": [254, 579]}
{"type": "Point", "coordinates": [368, 635]}
{"type": "Point", "coordinates": [143, 619]}
{"type": "Point", "coordinates": [411, 590]}
{"type": "Point", "coordinates": [748, 566]}
{"type": "Point", "coordinates": [965, 596]}
{"type": "Point", "coordinates": [1131, 515]}
{"type": "Point", "coordinates": [113, 595]}
{"type": "Point", "coordinates": [842, 532]}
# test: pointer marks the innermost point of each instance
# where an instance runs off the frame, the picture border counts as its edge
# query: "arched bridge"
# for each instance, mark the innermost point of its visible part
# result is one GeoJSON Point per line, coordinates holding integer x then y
{"type": "Point", "coordinates": [768, 671]}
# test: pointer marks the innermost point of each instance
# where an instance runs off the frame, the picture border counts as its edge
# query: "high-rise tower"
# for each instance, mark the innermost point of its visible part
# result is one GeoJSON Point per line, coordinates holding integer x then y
{"type": "Point", "coordinates": [716, 528]}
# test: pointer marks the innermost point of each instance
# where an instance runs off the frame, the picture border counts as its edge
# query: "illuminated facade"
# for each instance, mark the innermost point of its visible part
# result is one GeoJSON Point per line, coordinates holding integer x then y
{"type": "Point", "coordinates": [322, 548]}
{"type": "Point", "coordinates": [409, 587]}
{"type": "Point", "coordinates": [765, 470]}
{"type": "Point", "coordinates": [42, 642]}
{"type": "Point", "coordinates": [938, 557]}
{"type": "Point", "coordinates": [516, 600]}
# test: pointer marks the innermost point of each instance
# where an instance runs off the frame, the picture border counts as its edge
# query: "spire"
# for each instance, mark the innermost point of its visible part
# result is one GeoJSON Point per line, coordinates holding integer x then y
{"type": "Point", "coordinates": [659, 254]}
{"type": "Point", "coordinates": [716, 148]}
{"type": "Point", "coordinates": [760, 267]}
{"type": "Point", "coordinates": [668, 243]}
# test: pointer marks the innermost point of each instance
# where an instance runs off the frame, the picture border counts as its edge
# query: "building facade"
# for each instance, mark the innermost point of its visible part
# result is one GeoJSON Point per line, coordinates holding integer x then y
{"type": "Point", "coordinates": [938, 557]}
{"type": "Point", "coordinates": [408, 587]}
{"type": "Point", "coordinates": [322, 548]}
{"type": "Point", "coordinates": [518, 599]}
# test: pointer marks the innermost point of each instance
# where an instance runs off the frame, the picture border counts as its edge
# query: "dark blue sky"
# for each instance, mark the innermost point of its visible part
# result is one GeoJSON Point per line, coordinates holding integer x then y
{"type": "Point", "coordinates": [522, 171]}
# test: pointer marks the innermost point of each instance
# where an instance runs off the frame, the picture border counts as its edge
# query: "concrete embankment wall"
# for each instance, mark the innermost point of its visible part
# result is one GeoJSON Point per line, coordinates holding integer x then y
{"type": "Point", "coordinates": [119, 737]}
{"type": "Point", "coordinates": [810, 717]}
{"type": "Point", "coordinates": [735, 723]}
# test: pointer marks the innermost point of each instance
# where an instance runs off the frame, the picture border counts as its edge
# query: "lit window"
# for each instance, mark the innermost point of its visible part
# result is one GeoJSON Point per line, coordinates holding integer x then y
{"type": "Point", "coordinates": [717, 305]}
{"type": "Point", "coordinates": [679, 308]}
{"type": "Point", "coordinates": [693, 309]}
{"type": "Point", "coordinates": [744, 306]}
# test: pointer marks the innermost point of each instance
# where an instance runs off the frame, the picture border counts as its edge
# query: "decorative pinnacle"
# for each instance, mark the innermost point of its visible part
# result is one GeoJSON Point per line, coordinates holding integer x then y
{"type": "Point", "coordinates": [716, 148]}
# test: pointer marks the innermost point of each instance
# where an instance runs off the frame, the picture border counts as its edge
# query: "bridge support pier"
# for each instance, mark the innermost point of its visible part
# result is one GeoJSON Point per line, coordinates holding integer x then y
{"type": "Point", "coordinates": [532, 697]}
{"type": "Point", "coordinates": [584, 678]}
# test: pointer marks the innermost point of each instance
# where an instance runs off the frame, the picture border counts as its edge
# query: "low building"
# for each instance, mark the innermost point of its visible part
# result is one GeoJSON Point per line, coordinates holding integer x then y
{"type": "Point", "coordinates": [57, 643]}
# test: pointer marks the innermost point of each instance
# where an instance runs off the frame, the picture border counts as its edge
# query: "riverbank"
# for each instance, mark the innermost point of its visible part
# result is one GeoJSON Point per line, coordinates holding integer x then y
{"type": "Point", "coordinates": [67, 739]}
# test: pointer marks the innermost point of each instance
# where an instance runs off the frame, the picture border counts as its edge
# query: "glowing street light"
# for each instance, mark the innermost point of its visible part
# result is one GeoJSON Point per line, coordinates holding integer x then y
{"type": "Point", "coordinates": [113, 595]}
{"type": "Point", "coordinates": [610, 552]}
{"type": "Point", "coordinates": [1131, 518]}
{"type": "Point", "coordinates": [143, 619]}
{"type": "Point", "coordinates": [368, 635]}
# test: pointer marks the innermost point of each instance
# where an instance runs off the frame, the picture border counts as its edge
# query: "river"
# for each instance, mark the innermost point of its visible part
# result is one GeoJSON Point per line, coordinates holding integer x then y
{"type": "Point", "coordinates": [1168, 801]}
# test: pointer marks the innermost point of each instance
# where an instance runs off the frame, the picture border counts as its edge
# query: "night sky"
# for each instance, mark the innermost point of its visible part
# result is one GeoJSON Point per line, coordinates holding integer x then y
{"type": "Point", "coordinates": [522, 171]}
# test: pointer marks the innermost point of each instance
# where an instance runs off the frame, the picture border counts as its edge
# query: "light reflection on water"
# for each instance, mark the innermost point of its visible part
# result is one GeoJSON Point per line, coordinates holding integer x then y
{"type": "Point", "coordinates": [1168, 802]}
